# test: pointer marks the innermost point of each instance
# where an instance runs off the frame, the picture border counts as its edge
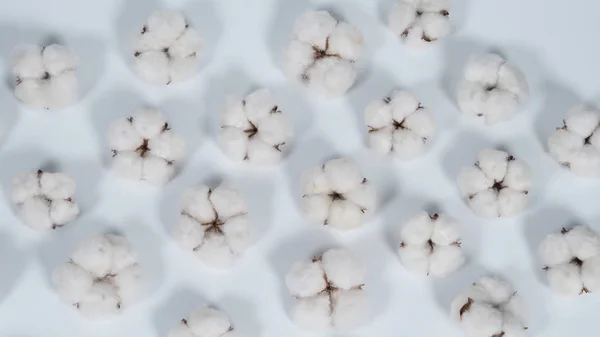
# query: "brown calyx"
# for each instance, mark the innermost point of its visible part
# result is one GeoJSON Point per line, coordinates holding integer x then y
{"type": "Point", "coordinates": [501, 334]}
{"type": "Point", "coordinates": [214, 226]}
{"type": "Point", "coordinates": [330, 288]}
{"type": "Point", "coordinates": [465, 307]}
{"type": "Point", "coordinates": [444, 12]}
{"type": "Point", "coordinates": [337, 196]}
{"type": "Point", "coordinates": [490, 88]}
{"type": "Point", "coordinates": [143, 149]}
{"type": "Point", "coordinates": [46, 76]}
{"type": "Point", "coordinates": [251, 131]}
{"type": "Point", "coordinates": [323, 53]}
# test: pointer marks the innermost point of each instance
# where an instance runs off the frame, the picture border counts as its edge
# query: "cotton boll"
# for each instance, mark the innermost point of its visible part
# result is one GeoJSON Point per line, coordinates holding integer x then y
{"type": "Point", "coordinates": [346, 41]}
{"type": "Point", "coordinates": [415, 257]}
{"type": "Point", "coordinates": [261, 153]}
{"type": "Point", "coordinates": [129, 165]}
{"type": "Point", "coordinates": [238, 234]}
{"type": "Point", "coordinates": [420, 23]}
{"type": "Point", "coordinates": [343, 174]}
{"type": "Point", "coordinates": [259, 105]}
{"type": "Point", "coordinates": [418, 229]}
{"type": "Point", "coordinates": [316, 207]}
{"type": "Point", "coordinates": [590, 273]}
{"type": "Point", "coordinates": [227, 202]}
{"type": "Point", "coordinates": [166, 24]}
{"type": "Point", "coordinates": [188, 234]}
{"type": "Point", "coordinates": [472, 180]}
{"type": "Point", "coordinates": [314, 181]}
{"type": "Point", "coordinates": [485, 204]}
{"type": "Point", "coordinates": [332, 76]}
{"type": "Point", "coordinates": [181, 330]}
{"type": "Point", "coordinates": [274, 129]}
{"type": "Point", "coordinates": [364, 196]}
{"type": "Point", "coordinates": [555, 249]}
{"type": "Point", "coordinates": [446, 230]}
{"type": "Point", "coordinates": [72, 281]}
{"type": "Point", "coordinates": [583, 242]}
{"type": "Point", "coordinates": [401, 16]}
{"type": "Point", "coordinates": [152, 67]}
{"type": "Point", "coordinates": [298, 57]}
{"type": "Point", "coordinates": [233, 142]}
{"type": "Point", "coordinates": [215, 253]}
{"type": "Point", "coordinates": [381, 141]}
{"type": "Point", "coordinates": [168, 145]}
{"type": "Point", "coordinates": [101, 301]}
{"type": "Point", "coordinates": [445, 260]}
{"type": "Point", "coordinates": [208, 322]}
{"type": "Point", "coordinates": [24, 186]}
{"type": "Point", "coordinates": [195, 201]}
{"type": "Point", "coordinates": [157, 170]}
{"type": "Point", "coordinates": [63, 212]}
{"type": "Point", "coordinates": [34, 213]}
{"type": "Point", "coordinates": [378, 114]}
{"type": "Point", "coordinates": [312, 313]}
{"type": "Point", "coordinates": [128, 282]}
{"type": "Point", "coordinates": [493, 163]}
{"type": "Point", "coordinates": [343, 269]}
{"type": "Point", "coordinates": [352, 309]}
{"type": "Point", "coordinates": [565, 279]}
{"type": "Point", "coordinates": [499, 291]}
{"type": "Point", "coordinates": [58, 59]}
{"type": "Point", "coordinates": [511, 202]}
{"type": "Point", "coordinates": [27, 62]}
{"type": "Point", "coordinates": [345, 215]}
{"type": "Point", "coordinates": [122, 136]}
{"type": "Point", "coordinates": [123, 254]}
{"type": "Point", "coordinates": [187, 45]}
{"type": "Point", "coordinates": [305, 279]}
{"type": "Point", "coordinates": [314, 27]}
{"type": "Point", "coordinates": [233, 114]}
{"type": "Point", "coordinates": [483, 319]}
{"type": "Point", "coordinates": [94, 255]}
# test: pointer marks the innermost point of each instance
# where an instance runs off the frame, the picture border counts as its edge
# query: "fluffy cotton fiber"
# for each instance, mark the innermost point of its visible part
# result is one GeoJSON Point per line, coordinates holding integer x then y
{"type": "Point", "coordinates": [491, 89]}
{"type": "Point", "coordinates": [167, 49]}
{"type": "Point", "coordinates": [337, 195]}
{"type": "Point", "coordinates": [497, 185]}
{"type": "Point", "coordinates": [431, 244]}
{"type": "Point", "coordinates": [204, 322]}
{"type": "Point", "coordinates": [214, 225]}
{"type": "Point", "coordinates": [490, 308]}
{"type": "Point", "coordinates": [420, 22]}
{"type": "Point", "coordinates": [144, 147]}
{"type": "Point", "coordinates": [572, 259]}
{"type": "Point", "coordinates": [323, 53]}
{"type": "Point", "coordinates": [399, 125]}
{"type": "Point", "coordinates": [253, 129]}
{"type": "Point", "coordinates": [329, 292]}
{"type": "Point", "coordinates": [101, 278]}
{"type": "Point", "coordinates": [44, 200]}
{"type": "Point", "coordinates": [46, 76]}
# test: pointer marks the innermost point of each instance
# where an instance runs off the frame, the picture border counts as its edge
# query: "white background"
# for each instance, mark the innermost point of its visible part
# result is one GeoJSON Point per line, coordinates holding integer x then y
{"type": "Point", "coordinates": [554, 42]}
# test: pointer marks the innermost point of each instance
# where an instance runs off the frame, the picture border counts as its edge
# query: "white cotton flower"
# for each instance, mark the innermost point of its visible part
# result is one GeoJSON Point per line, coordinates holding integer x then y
{"type": "Point", "coordinates": [323, 53]}
{"type": "Point", "coordinates": [44, 200]}
{"type": "Point", "coordinates": [490, 308]}
{"type": "Point", "coordinates": [491, 89]}
{"type": "Point", "coordinates": [101, 278]}
{"type": "Point", "coordinates": [253, 129]}
{"type": "Point", "coordinates": [400, 125]}
{"type": "Point", "coordinates": [46, 76]}
{"type": "Point", "coordinates": [214, 225]}
{"type": "Point", "coordinates": [337, 195]}
{"type": "Point", "coordinates": [497, 185]}
{"type": "Point", "coordinates": [572, 259]}
{"type": "Point", "coordinates": [204, 322]}
{"type": "Point", "coordinates": [167, 49]}
{"type": "Point", "coordinates": [144, 147]}
{"type": "Point", "coordinates": [329, 292]}
{"type": "Point", "coordinates": [431, 244]}
{"type": "Point", "coordinates": [420, 22]}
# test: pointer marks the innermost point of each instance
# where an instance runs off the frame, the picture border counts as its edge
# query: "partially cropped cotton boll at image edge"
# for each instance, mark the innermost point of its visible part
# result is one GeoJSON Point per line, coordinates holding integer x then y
{"type": "Point", "coordinates": [323, 53]}
{"type": "Point", "coordinates": [329, 292]}
{"type": "Point", "coordinates": [420, 22]}
{"type": "Point", "coordinates": [204, 322]}
{"type": "Point", "coordinates": [400, 125]}
{"type": "Point", "coordinates": [167, 49]}
{"type": "Point", "coordinates": [144, 147]}
{"type": "Point", "coordinates": [44, 200]}
{"type": "Point", "coordinates": [254, 129]}
{"type": "Point", "coordinates": [101, 278]}
{"type": "Point", "coordinates": [46, 77]}
{"type": "Point", "coordinates": [491, 89]}
{"type": "Point", "coordinates": [497, 185]}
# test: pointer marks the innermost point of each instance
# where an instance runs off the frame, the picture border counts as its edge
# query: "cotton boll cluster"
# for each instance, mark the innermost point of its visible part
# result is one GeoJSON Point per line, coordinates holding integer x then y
{"type": "Point", "coordinates": [490, 308]}
{"type": "Point", "coordinates": [420, 22]}
{"type": "Point", "coordinates": [323, 53]}
{"type": "Point", "coordinates": [431, 244]}
{"type": "Point", "coordinates": [214, 225]}
{"type": "Point", "coordinates": [399, 124]}
{"type": "Point", "coordinates": [44, 200]}
{"type": "Point", "coordinates": [253, 129]}
{"type": "Point", "coordinates": [144, 147]}
{"type": "Point", "coordinates": [46, 76]}
{"type": "Point", "coordinates": [572, 259]}
{"type": "Point", "coordinates": [167, 49]}
{"type": "Point", "coordinates": [337, 195]}
{"type": "Point", "coordinates": [491, 89]}
{"type": "Point", "coordinates": [204, 322]}
{"type": "Point", "coordinates": [497, 185]}
{"type": "Point", "coordinates": [101, 278]}
{"type": "Point", "coordinates": [329, 292]}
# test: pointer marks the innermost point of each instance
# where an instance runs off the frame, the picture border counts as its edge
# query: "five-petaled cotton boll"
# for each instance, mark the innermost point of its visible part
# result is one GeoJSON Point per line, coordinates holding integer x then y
{"type": "Point", "coordinates": [328, 292]}
{"type": "Point", "coordinates": [101, 278]}
{"type": "Point", "coordinates": [497, 185]}
{"type": "Point", "coordinates": [144, 147]}
{"type": "Point", "coordinates": [46, 76]}
{"type": "Point", "coordinates": [254, 129]}
{"type": "Point", "coordinates": [572, 259]}
{"type": "Point", "coordinates": [400, 125]}
{"type": "Point", "coordinates": [214, 225]}
{"type": "Point", "coordinates": [431, 244]}
{"type": "Point", "coordinates": [490, 308]}
{"type": "Point", "coordinates": [204, 322]}
{"type": "Point", "coordinates": [491, 89]}
{"type": "Point", "coordinates": [337, 195]}
{"type": "Point", "coordinates": [44, 200]}
{"type": "Point", "coordinates": [576, 145]}
{"type": "Point", "coordinates": [323, 53]}
{"type": "Point", "coordinates": [167, 49]}
{"type": "Point", "coordinates": [420, 22]}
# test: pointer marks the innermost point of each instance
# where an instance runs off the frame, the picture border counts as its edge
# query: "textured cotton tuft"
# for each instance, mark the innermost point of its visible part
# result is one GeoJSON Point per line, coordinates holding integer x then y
{"type": "Point", "coordinates": [497, 185]}
{"type": "Point", "coordinates": [399, 125]}
{"type": "Point", "coordinates": [420, 22]}
{"type": "Point", "coordinates": [204, 322]}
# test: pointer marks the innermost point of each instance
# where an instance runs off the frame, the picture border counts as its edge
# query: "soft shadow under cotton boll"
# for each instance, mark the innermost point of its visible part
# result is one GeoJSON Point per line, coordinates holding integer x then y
{"type": "Point", "coordinates": [204, 322]}
{"type": "Point", "coordinates": [420, 22]}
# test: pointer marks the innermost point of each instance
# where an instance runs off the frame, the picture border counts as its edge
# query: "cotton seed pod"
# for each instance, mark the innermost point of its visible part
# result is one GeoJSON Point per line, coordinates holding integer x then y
{"type": "Point", "coordinates": [399, 125]}
{"type": "Point", "coordinates": [44, 200]}
{"type": "Point", "coordinates": [204, 322]}
{"type": "Point", "coordinates": [167, 49]}
{"type": "Point", "coordinates": [490, 308]}
{"type": "Point", "coordinates": [101, 278]}
{"type": "Point", "coordinates": [336, 194]}
{"type": "Point", "coordinates": [431, 244]}
{"type": "Point", "coordinates": [214, 225]}
{"type": "Point", "coordinates": [420, 22]}
{"type": "Point", "coordinates": [497, 185]}
{"type": "Point", "coordinates": [491, 89]}
{"type": "Point", "coordinates": [46, 76]}
{"type": "Point", "coordinates": [253, 129]}
{"type": "Point", "coordinates": [329, 292]}
{"type": "Point", "coordinates": [144, 147]}
{"type": "Point", "coordinates": [323, 53]}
